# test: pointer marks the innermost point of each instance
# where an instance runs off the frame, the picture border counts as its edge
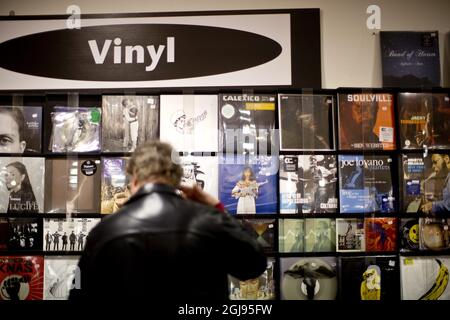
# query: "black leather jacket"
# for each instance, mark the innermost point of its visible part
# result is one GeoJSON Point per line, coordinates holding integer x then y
{"type": "Point", "coordinates": [161, 246]}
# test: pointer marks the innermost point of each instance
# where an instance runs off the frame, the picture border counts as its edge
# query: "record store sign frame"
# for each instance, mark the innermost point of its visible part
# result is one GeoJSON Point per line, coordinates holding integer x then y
{"type": "Point", "coordinates": [261, 48]}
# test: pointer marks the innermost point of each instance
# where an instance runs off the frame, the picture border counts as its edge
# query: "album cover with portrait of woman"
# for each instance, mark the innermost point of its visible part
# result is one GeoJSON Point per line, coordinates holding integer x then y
{"type": "Point", "coordinates": [73, 185]}
{"type": "Point", "coordinates": [189, 122]}
{"type": "Point", "coordinates": [248, 185]}
{"type": "Point", "coordinates": [128, 121]}
{"type": "Point", "coordinates": [20, 129]}
{"type": "Point", "coordinates": [22, 185]}
{"type": "Point", "coordinates": [306, 122]}
{"type": "Point", "coordinates": [115, 184]}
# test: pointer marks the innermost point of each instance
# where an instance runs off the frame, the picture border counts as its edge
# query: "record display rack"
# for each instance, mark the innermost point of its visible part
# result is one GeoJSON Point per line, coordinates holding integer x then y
{"type": "Point", "coordinates": [93, 97]}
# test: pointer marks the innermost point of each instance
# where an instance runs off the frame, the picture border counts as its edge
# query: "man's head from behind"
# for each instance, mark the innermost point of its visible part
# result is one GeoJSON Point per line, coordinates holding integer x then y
{"type": "Point", "coordinates": [153, 162]}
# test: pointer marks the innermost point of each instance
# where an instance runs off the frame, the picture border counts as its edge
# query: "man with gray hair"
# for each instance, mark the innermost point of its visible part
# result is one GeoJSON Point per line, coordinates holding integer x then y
{"type": "Point", "coordinates": [167, 241]}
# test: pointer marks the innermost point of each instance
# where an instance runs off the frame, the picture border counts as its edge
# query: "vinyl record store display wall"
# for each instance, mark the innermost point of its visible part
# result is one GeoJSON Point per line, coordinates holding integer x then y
{"type": "Point", "coordinates": [346, 190]}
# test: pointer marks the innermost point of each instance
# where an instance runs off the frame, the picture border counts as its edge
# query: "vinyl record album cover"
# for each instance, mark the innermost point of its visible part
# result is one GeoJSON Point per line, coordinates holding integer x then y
{"type": "Point", "coordinates": [203, 171]}
{"type": "Point", "coordinates": [246, 123]}
{"type": "Point", "coordinates": [248, 185]}
{"type": "Point", "coordinates": [426, 183]}
{"type": "Point", "coordinates": [350, 235]}
{"type": "Point", "coordinates": [381, 234]}
{"type": "Point", "coordinates": [128, 121]}
{"type": "Point", "coordinates": [263, 230]}
{"type": "Point", "coordinates": [291, 235]}
{"type": "Point", "coordinates": [425, 278]}
{"type": "Point", "coordinates": [25, 234]}
{"type": "Point", "coordinates": [22, 185]}
{"type": "Point", "coordinates": [365, 184]}
{"type": "Point", "coordinates": [320, 235]}
{"type": "Point", "coordinates": [189, 122]}
{"type": "Point", "coordinates": [369, 278]}
{"type": "Point", "coordinates": [306, 122]}
{"type": "Point", "coordinates": [20, 129]}
{"type": "Point", "coordinates": [60, 276]}
{"type": "Point", "coordinates": [309, 278]}
{"type": "Point", "coordinates": [261, 288]}
{"type": "Point", "coordinates": [4, 234]}
{"type": "Point", "coordinates": [424, 120]}
{"type": "Point", "coordinates": [434, 234]}
{"type": "Point", "coordinates": [67, 234]}
{"type": "Point", "coordinates": [308, 184]}
{"type": "Point", "coordinates": [21, 277]}
{"type": "Point", "coordinates": [115, 191]}
{"type": "Point", "coordinates": [409, 233]}
{"type": "Point", "coordinates": [73, 185]}
{"type": "Point", "coordinates": [366, 121]}
{"type": "Point", "coordinates": [75, 129]}
{"type": "Point", "coordinates": [410, 59]}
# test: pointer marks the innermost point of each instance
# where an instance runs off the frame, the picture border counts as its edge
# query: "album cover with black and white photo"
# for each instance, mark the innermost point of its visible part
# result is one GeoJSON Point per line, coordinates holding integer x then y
{"type": "Point", "coordinates": [22, 185]}
{"type": "Point", "coordinates": [308, 184]}
{"type": "Point", "coordinates": [20, 129]}
{"type": "Point", "coordinates": [350, 235]}
{"type": "Point", "coordinates": [60, 276]}
{"type": "Point", "coordinates": [306, 122]}
{"type": "Point", "coordinates": [128, 121]}
{"type": "Point", "coordinates": [67, 234]}
{"type": "Point", "coordinates": [202, 171]}
{"type": "Point", "coordinates": [73, 185]}
{"type": "Point", "coordinates": [246, 123]}
{"type": "Point", "coordinates": [25, 234]}
{"type": "Point", "coordinates": [189, 122]}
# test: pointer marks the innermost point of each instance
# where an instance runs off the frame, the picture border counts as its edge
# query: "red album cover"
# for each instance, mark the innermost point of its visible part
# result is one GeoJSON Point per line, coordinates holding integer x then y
{"type": "Point", "coordinates": [381, 234]}
{"type": "Point", "coordinates": [21, 277]}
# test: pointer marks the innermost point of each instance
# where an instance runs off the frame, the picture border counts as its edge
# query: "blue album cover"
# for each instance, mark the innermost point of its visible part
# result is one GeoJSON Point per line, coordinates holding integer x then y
{"type": "Point", "coordinates": [248, 185]}
{"type": "Point", "coordinates": [410, 59]}
{"type": "Point", "coordinates": [365, 184]}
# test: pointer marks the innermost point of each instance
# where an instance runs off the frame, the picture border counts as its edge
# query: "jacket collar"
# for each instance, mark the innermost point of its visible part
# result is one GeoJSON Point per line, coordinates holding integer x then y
{"type": "Point", "coordinates": [149, 188]}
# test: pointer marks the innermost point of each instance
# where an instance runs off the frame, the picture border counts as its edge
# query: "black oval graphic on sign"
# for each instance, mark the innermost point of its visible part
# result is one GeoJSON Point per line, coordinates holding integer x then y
{"type": "Point", "coordinates": [136, 52]}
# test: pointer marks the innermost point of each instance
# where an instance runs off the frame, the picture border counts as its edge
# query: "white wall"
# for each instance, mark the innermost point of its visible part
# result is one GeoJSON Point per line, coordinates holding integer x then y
{"type": "Point", "coordinates": [350, 52]}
